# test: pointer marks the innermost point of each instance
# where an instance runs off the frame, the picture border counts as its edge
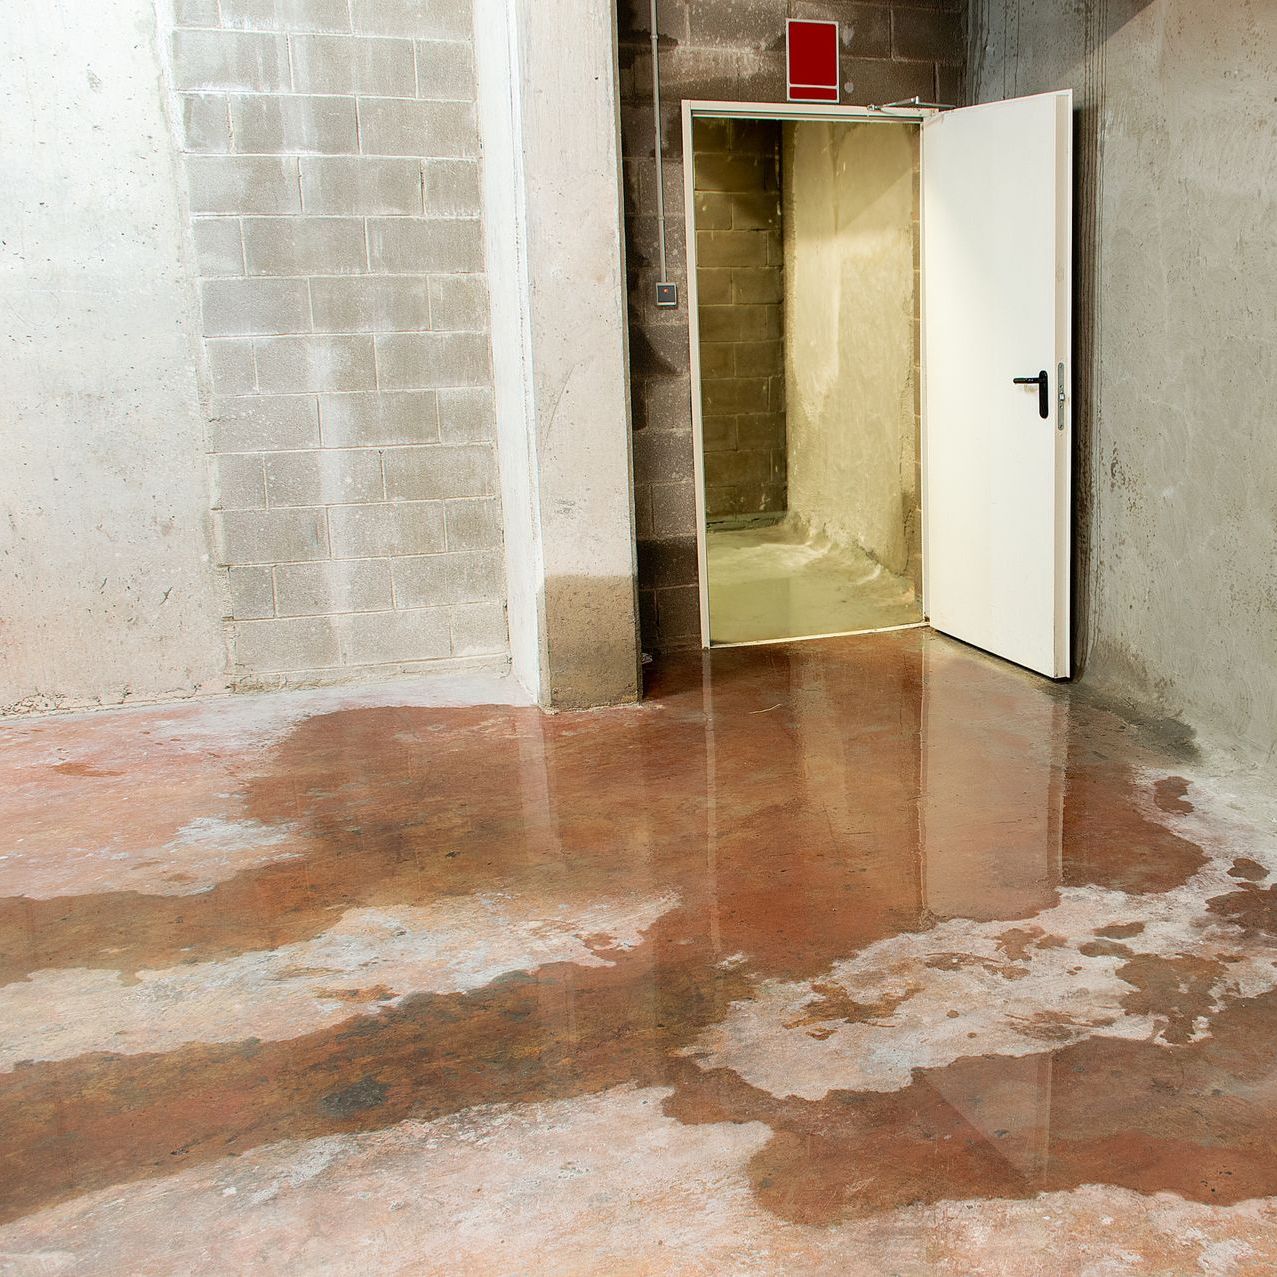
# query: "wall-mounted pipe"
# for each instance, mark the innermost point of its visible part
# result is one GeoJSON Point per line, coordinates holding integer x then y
{"type": "Point", "coordinates": [666, 291]}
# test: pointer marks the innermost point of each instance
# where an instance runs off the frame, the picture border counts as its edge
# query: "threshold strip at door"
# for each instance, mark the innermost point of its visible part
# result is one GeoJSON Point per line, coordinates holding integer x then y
{"type": "Point", "coordinates": [809, 638]}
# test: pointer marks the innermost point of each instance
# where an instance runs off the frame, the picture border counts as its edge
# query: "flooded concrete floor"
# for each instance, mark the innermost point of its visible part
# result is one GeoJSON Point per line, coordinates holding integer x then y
{"type": "Point", "coordinates": [775, 583]}
{"type": "Point", "coordinates": [855, 957]}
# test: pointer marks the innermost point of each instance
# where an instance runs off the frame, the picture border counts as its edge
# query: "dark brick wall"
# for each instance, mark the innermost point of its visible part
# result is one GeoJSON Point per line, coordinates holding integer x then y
{"type": "Point", "coordinates": [739, 254]}
{"type": "Point", "coordinates": [731, 50]}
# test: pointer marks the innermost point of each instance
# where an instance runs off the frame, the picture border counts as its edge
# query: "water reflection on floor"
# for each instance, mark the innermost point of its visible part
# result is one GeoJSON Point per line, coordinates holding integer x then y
{"type": "Point", "coordinates": [862, 956]}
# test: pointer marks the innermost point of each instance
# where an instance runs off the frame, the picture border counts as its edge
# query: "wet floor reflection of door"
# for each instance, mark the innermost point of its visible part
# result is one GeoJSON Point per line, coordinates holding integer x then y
{"type": "Point", "coordinates": [1006, 1101]}
{"type": "Point", "coordinates": [998, 856]}
{"type": "Point", "coordinates": [992, 803]}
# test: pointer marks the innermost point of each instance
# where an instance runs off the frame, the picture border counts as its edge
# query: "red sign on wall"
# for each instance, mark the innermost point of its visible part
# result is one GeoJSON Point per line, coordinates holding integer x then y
{"type": "Point", "coordinates": [812, 49]}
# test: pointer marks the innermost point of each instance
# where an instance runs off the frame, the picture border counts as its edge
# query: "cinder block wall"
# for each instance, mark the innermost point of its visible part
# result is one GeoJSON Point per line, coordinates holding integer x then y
{"type": "Point", "coordinates": [741, 302]}
{"type": "Point", "coordinates": [722, 49]}
{"type": "Point", "coordinates": [331, 154]}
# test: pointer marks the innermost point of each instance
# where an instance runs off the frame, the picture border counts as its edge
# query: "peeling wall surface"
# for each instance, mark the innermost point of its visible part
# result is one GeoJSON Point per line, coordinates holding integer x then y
{"type": "Point", "coordinates": [740, 297]}
{"type": "Point", "coordinates": [1176, 470]}
{"type": "Point", "coordinates": [850, 335]}
{"type": "Point", "coordinates": [713, 49]}
{"type": "Point", "coordinates": [106, 593]}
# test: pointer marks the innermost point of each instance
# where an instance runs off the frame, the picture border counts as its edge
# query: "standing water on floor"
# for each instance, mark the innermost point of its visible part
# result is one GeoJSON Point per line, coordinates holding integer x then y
{"type": "Point", "coordinates": [831, 959]}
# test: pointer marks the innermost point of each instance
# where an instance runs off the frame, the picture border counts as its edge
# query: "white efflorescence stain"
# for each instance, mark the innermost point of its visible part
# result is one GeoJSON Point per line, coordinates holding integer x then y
{"type": "Point", "coordinates": [1012, 988]}
{"type": "Point", "coordinates": [593, 1184]}
{"type": "Point", "coordinates": [369, 959]}
{"type": "Point", "coordinates": [204, 852]}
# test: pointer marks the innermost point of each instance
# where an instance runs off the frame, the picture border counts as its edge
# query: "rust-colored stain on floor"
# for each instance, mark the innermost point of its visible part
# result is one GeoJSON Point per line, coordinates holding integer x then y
{"type": "Point", "coordinates": [863, 956]}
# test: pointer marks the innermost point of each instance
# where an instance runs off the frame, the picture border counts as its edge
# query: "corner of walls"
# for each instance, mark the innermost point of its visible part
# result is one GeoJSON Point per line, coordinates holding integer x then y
{"type": "Point", "coordinates": [505, 245]}
{"type": "Point", "coordinates": [164, 15]}
{"type": "Point", "coordinates": [548, 117]}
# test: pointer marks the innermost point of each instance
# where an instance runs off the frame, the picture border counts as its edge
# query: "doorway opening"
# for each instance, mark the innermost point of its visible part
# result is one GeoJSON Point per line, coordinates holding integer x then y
{"type": "Point", "coordinates": [805, 292]}
{"type": "Point", "coordinates": [881, 325]}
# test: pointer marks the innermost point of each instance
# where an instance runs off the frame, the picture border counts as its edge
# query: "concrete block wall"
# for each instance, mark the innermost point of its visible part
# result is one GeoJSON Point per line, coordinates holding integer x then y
{"type": "Point", "coordinates": [331, 158]}
{"type": "Point", "coordinates": [727, 50]}
{"type": "Point", "coordinates": [740, 286]}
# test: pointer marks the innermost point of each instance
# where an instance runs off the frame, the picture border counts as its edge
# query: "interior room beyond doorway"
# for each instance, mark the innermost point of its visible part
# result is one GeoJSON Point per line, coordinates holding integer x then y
{"type": "Point", "coordinates": [806, 238]}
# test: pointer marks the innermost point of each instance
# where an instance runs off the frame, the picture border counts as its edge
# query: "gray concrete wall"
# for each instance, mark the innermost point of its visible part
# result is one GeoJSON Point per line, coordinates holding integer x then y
{"type": "Point", "coordinates": [247, 391]}
{"type": "Point", "coordinates": [331, 153]}
{"type": "Point", "coordinates": [725, 49]}
{"type": "Point", "coordinates": [851, 338]}
{"type": "Point", "coordinates": [550, 132]}
{"type": "Point", "coordinates": [740, 294]}
{"type": "Point", "coordinates": [106, 593]}
{"type": "Point", "coordinates": [1177, 339]}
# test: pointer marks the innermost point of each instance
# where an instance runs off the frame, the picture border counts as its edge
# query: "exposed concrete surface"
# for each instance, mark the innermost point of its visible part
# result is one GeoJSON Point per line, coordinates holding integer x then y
{"type": "Point", "coordinates": [835, 958]}
{"type": "Point", "coordinates": [505, 251]}
{"type": "Point", "coordinates": [850, 349]}
{"type": "Point", "coordinates": [106, 593]}
{"type": "Point", "coordinates": [1177, 339]}
{"type": "Point", "coordinates": [343, 388]}
{"type": "Point", "coordinates": [592, 656]}
{"type": "Point", "coordinates": [311, 208]}
{"type": "Point", "coordinates": [553, 236]}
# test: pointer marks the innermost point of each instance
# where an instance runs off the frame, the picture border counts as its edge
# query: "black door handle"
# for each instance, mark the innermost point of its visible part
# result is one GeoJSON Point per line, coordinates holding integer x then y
{"type": "Point", "coordinates": [1040, 381]}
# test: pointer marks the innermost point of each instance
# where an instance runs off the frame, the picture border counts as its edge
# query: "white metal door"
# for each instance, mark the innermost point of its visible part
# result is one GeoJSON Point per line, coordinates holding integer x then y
{"type": "Point", "coordinates": [996, 289]}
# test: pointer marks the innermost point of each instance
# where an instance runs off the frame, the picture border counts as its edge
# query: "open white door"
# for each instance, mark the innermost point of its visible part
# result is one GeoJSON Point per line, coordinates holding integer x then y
{"type": "Point", "coordinates": [996, 290]}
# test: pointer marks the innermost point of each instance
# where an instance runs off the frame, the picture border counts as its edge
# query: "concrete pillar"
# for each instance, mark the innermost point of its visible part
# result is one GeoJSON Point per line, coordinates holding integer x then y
{"type": "Point", "coordinates": [548, 120]}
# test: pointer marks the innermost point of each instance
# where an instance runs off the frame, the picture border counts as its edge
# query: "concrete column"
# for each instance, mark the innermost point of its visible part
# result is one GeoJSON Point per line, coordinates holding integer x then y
{"type": "Point", "coordinates": [548, 120]}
